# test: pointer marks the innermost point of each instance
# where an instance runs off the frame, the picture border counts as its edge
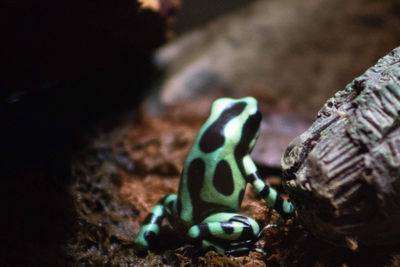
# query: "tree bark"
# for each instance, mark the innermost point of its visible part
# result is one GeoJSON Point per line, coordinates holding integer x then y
{"type": "Point", "coordinates": [343, 173]}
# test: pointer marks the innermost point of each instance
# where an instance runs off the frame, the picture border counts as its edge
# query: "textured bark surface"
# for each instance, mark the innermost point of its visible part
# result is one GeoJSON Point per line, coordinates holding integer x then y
{"type": "Point", "coordinates": [343, 173]}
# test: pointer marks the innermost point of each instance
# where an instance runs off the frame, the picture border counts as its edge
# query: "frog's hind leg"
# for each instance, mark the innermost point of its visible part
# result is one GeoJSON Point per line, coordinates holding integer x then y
{"type": "Point", "coordinates": [152, 223]}
{"type": "Point", "coordinates": [226, 233]}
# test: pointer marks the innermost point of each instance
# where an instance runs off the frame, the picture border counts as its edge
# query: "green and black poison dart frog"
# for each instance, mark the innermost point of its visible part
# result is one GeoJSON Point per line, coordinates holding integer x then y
{"type": "Point", "coordinates": [213, 183]}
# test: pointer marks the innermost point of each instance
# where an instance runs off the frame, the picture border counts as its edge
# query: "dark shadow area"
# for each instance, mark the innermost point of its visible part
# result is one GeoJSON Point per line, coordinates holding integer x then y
{"type": "Point", "coordinates": [39, 133]}
{"type": "Point", "coordinates": [66, 65]}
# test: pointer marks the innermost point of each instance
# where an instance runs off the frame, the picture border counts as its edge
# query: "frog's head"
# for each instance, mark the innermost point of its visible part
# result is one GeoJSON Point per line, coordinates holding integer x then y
{"type": "Point", "coordinates": [233, 124]}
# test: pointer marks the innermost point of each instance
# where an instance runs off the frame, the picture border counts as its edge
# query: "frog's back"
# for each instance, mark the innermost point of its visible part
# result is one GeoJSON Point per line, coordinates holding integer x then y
{"type": "Point", "coordinates": [212, 180]}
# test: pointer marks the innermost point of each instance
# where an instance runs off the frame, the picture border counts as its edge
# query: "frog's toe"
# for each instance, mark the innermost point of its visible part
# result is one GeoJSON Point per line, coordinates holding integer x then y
{"type": "Point", "coordinates": [140, 246]}
{"type": "Point", "coordinates": [142, 243]}
{"type": "Point", "coordinates": [194, 232]}
{"type": "Point", "coordinates": [228, 249]}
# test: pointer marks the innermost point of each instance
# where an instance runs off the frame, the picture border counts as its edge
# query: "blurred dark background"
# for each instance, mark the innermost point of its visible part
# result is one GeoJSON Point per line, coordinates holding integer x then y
{"type": "Point", "coordinates": [194, 14]}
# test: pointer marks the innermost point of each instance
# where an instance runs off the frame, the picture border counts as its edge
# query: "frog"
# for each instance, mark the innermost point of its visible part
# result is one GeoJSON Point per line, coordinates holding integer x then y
{"type": "Point", "coordinates": [213, 183]}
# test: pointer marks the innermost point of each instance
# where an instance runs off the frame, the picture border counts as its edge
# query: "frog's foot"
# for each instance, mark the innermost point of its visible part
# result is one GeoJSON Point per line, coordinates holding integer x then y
{"type": "Point", "coordinates": [152, 223]}
{"type": "Point", "coordinates": [235, 250]}
{"type": "Point", "coordinates": [226, 233]}
{"type": "Point", "coordinates": [265, 228]}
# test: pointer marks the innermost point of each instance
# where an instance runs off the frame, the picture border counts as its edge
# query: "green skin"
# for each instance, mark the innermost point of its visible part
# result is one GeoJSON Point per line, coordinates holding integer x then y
{"type": "Point", "coordinates": [213, 183]}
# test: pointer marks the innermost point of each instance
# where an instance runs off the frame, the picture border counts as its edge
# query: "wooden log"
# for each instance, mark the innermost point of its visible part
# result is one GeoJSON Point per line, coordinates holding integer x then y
{"type": "Point", "coordinates": [343, 173]}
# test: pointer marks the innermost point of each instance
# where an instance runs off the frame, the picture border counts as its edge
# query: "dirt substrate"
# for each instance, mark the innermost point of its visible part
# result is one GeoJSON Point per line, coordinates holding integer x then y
{"type": "Point", "coordinates": [128, 167]}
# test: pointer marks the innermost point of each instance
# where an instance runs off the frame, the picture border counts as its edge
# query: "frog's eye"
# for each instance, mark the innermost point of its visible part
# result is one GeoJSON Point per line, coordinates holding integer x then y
{"type": "Point", "coordinates": [250, 133]}
{"type": "Point", "coordinates": [253, 142]}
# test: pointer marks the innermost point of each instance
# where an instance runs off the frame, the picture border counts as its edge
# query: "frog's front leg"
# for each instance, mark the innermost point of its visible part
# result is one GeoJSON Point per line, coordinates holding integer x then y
{"type": "Point", "coordinates": [225, 232]}
{"type": "Point", "coordinates": [270, 195]}
{"type": "Point", "coordinates": [152, 223]}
